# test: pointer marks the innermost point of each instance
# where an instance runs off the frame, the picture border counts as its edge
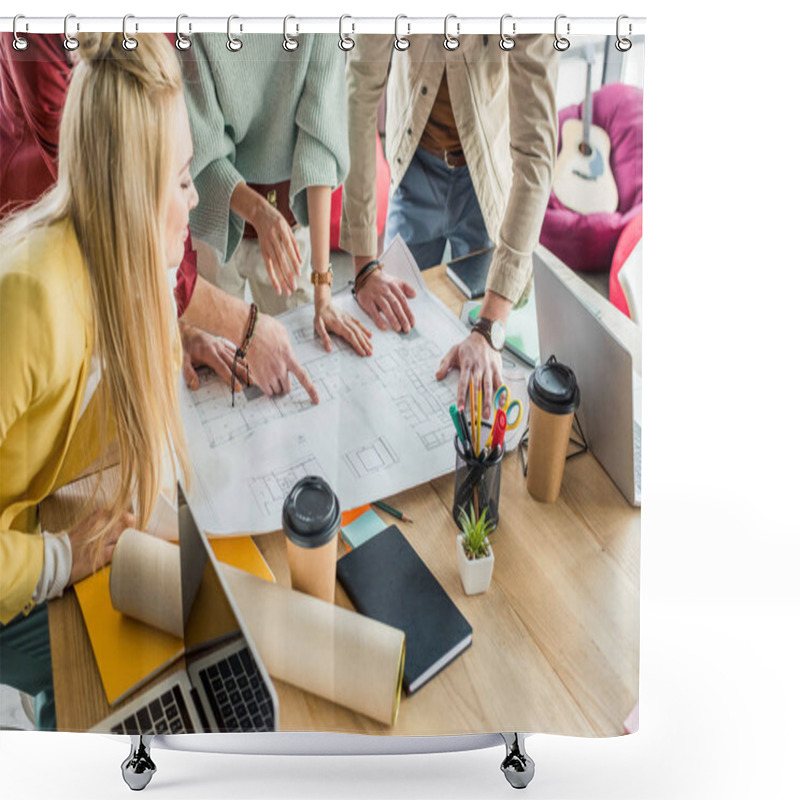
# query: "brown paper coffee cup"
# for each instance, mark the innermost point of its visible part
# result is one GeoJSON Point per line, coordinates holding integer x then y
{"type": "Point", "coordinates": [313, 570]}
{"type": "Point", "coordinates": [554, 396]}
{"type": "Point", "coordinates": [311, 520]}
{"type": "Point", "coordinates": [548, 440]}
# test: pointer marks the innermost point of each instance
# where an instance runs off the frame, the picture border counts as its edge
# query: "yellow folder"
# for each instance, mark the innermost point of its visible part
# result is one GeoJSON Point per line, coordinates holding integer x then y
{"type": "Point", "coordinates": [129, 652]}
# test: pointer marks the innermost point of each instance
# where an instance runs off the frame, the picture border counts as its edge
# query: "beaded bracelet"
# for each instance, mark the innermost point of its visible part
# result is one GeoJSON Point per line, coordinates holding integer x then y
{"type": "Point", "coordinates": [241, 351]}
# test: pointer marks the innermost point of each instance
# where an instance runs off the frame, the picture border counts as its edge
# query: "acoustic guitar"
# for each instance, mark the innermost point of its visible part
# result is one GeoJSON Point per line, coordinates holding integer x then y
{"type": "Point", "coordinates": [583, 179]}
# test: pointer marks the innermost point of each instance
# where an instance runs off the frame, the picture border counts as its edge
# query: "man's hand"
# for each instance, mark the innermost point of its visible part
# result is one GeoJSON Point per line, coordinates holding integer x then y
{"type": "Point", "coordinates": [477, 361]}
{"type": "Point", "coordinates": [385, 299]}
{"type": "Point", "coordinates": [271, 360]}
{"type": "Point", "coordinates": [203, 349]}
{"type": "Point", "coordinates": [86, 558]}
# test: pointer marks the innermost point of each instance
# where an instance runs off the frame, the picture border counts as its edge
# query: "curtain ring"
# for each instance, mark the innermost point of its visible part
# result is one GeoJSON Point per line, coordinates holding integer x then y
{"type": "Point", "coordinates": [507, 42]}
{"type": "Point", "coordinates": [70, 42]}
{"type": "Point", "coordinates": [233, 44]}
{"type": "Point", "coordinates": [400, 42]}
{"type": "Point", "coordinates": [182, 42]}
{"type": "Point", "coordinates": [19, 43]}
{"type": "Point", "coordinates": [623, 44]}
{"type": "Point", "coordinates": [561, 43]}
{"type": "Point", "coordinates": [346, 41]}
{"type": "Point", "coordinates": [128, 42]}
{"type": "Point", "coordinates": [290, 44]}
{"type": "Point", "coordinates": [451, 42]}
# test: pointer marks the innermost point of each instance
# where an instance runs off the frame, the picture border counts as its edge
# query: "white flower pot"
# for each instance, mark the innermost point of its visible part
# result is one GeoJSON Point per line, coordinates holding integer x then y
{"type": "Point", "coordinates": [476, 575]}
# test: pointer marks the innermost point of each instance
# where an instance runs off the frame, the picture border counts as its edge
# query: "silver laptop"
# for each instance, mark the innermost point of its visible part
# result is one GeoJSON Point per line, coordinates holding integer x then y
{"type": "Point", "coordinates": [610, 409]}
{"type": "Point", "coordinates": [225, 686]}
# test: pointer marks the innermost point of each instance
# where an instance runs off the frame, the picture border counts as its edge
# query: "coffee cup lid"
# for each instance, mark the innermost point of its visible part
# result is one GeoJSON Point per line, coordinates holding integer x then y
{"type": "Point", "coordinates": [554, 388]}
{"type": "Point", "coordinates": [311, 514]}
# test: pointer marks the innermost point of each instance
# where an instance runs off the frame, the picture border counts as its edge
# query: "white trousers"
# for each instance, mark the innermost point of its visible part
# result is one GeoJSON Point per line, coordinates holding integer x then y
{"type": "Point", "coordinates": [247, 267]}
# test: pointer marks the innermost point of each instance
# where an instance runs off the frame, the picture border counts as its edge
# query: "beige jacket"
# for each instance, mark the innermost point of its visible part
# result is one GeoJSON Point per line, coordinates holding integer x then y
{"type": "Point", "coordinates": [505, 110]}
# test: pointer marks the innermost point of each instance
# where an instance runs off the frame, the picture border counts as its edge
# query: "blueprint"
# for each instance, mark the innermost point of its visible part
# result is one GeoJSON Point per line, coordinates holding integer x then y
{"type": "Point", "coordinates": [382, 424]}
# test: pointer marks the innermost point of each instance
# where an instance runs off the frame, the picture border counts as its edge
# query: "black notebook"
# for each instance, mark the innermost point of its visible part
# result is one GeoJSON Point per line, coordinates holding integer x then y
{"type": "Point", "coordinates": [386, 580]}
{"type": "Point", "coordinates": [469, 273]}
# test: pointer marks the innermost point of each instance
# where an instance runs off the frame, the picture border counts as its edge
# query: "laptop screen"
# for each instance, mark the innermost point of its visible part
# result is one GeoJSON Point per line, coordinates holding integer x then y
{"type": "Point", "coordinates": [578, 336]}
{"type": "Point", "coordinates": [231, 685]}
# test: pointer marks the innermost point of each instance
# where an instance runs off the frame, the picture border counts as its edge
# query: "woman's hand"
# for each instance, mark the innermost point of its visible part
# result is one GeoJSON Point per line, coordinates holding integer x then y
{"type": "Point", "coordinates": [478, 362]}
{"type": "Point", "coordinates": [278, 247]}
{"type": "Point", "coordinates": [86, 559]}
{"type": "Point", "coordinates": [329, 319]}
{"type": "Point", "coordinates": [275, 238]}
{"type": "Point", "coordinates": [271, 359]}
{"type": "Point", "coordinates": [385, 299]}
{"type": "Point", "coordinates": [202, 349]}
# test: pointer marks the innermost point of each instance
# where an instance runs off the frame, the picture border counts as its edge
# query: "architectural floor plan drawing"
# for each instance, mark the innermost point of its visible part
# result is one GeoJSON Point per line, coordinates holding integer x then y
{"type": "Point", "coordinates": [382, 424]}
{"type": "Point", "coordinates": [269, 490]}
{"type": "Point", "coordinates": [371, 457]}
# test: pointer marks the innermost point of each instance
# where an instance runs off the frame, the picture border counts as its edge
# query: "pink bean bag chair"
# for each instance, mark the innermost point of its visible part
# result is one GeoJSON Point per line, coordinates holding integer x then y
{"type": "Point", "coordinates": [587, 241]}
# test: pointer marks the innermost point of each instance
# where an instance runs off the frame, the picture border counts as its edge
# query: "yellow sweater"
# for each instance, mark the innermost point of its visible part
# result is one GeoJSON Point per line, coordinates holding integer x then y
{"type": "Point", "coordinates": [45, 356]}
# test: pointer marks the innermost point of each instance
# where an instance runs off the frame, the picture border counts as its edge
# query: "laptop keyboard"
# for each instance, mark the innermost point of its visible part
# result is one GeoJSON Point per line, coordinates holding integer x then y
{"type": "Point", "coordinates": [166, 714]}
{"type": "Point", "coordinates": [238, 695]}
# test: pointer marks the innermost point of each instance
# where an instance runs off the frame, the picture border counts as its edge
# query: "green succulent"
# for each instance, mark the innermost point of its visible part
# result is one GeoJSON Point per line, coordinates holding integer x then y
{"type": "Point", "coordinates": [476, 533]}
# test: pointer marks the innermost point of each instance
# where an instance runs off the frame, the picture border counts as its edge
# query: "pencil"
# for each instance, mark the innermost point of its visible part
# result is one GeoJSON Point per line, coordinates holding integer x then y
{"type": "Point", "coordinates": [480, 417]}
{"type": "Point", "coordinates": [472, 415]}
{"type": "Point", "coordinates": [393, 511]}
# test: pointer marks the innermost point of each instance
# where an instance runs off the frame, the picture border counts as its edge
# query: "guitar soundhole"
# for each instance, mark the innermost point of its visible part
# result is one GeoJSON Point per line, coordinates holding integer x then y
{"type": "Point", "coordinates": [585, 149]}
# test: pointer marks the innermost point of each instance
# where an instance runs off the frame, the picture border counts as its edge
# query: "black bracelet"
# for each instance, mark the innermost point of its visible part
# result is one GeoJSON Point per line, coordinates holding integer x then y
{"type": "Point", "coordinates": [363, 269]}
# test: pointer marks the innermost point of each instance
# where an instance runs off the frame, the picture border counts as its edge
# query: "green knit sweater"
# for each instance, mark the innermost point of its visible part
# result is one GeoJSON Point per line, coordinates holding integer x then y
{"type": "Point", "coordinates": [262, 115]}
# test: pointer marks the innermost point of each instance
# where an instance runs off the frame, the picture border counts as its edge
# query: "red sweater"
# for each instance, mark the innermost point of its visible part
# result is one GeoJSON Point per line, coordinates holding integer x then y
{"type": "Point", "coordinates": [33, 87]}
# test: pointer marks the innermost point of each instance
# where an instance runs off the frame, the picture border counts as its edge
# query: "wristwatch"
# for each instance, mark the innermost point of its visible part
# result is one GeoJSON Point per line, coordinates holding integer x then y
{"type": "Point", "coordinates": [491, 330]}
{"type": "Point", "coordinates": [322, 278]}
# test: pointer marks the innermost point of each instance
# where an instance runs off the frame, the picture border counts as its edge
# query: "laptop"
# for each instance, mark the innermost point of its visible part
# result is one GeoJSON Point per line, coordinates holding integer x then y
{"type": "Point", "coordinates": [611, 391]}
{"type": "Point", "coordinates": [224, 685]}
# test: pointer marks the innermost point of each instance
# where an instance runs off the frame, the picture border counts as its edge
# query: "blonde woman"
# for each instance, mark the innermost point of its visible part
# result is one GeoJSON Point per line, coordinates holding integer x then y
{"type": "Point", "coordinates": [88, 341]}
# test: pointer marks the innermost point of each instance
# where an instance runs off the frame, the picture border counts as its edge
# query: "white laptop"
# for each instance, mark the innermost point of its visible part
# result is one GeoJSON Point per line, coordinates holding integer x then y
{"type": "Point", "coordinates": [610, 409]}
{"type": "Point", "coordinates": [224, 685]}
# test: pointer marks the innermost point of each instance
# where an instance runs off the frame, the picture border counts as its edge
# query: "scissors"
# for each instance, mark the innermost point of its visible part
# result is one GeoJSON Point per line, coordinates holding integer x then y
{"type": "Point", "coordinates": [507, 415]}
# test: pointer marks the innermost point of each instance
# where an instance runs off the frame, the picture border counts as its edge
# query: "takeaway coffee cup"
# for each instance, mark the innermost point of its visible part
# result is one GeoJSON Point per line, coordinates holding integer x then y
{"type": "Point", "coordinates": [554, 395]}
{"type": "Point", "coordinates": [311, 520]}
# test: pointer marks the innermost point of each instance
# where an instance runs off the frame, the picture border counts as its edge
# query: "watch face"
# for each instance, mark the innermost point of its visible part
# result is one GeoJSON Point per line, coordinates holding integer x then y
{"type": "Point", "coordinates": [498, 335]}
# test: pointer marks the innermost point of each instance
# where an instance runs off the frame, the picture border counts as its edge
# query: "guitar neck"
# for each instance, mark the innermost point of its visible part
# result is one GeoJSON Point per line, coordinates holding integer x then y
{"type": "Point", "coordinates": [587, 105]}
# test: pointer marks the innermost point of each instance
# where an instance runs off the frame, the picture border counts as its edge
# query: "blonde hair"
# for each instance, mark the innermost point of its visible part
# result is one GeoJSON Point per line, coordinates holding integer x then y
{"type": "Point", "coordinates": [115, 163]}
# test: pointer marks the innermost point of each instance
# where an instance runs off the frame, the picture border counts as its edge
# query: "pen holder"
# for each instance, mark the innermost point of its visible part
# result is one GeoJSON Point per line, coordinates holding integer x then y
{"type": "Point", "coordinates": [477, 484]}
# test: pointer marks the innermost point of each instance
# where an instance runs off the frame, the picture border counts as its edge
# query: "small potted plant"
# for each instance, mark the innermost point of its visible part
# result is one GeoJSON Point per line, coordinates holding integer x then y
{"type": "Point", "coordinates": [475, 556]}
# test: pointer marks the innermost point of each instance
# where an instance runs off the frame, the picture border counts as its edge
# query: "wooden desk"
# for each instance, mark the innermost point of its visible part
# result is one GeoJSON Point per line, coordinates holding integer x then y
{"type": "Point", "coordinates": [556, 637]}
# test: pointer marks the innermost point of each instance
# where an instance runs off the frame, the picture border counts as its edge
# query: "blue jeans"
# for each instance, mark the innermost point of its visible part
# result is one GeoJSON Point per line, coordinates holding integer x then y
{"type": "Point", "coordinates": [25, 663]}
{"type": "Point", "coordinates": [433, 205]}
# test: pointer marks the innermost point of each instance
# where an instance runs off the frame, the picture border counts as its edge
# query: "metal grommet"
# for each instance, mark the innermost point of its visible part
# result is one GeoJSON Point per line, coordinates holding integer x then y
{"type": "Point", "coordinates": [128, 42]}
{"type": "Point", "coordinates": [19, 43]}
{"type": "Point", "coordinates": [623, 44]}
{"type": "Point", "coordinates": [507, 42]}
{"type": "Point", "coordinates": [561, 43]}
{"type": "Point", "coordinates": [290, 44]}
{"type": "Point", "coordinates": [70, 42]}
{"type": "Point", "coordinates": [233, 44]}
{"type": "Point", "coordinates": [451, 42]}
{"type": "Point", "coordinates": [400, 42]}
{"type": "Point", "coordinates": [346, 42]}
{"type": "Point", "coordinates": [182, 42]}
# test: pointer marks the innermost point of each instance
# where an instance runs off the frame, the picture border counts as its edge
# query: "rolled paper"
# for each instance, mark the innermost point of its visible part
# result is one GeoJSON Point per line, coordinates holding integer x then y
{"type": "Point", "coordinates": [322, 648]}
{"type": "Point", "coordinates": [145, 581]}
